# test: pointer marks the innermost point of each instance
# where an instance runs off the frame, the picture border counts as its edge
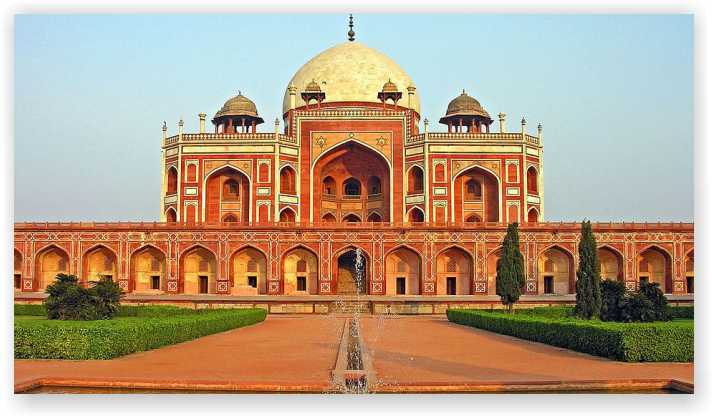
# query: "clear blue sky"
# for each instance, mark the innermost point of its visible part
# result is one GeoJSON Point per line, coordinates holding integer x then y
{"type": "Point", "coordinates": [614, 94]}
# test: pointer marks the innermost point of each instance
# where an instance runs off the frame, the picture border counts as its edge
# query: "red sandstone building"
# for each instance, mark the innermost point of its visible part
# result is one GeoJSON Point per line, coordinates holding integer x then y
{"type": "Point", "coordinates": [254, 217]}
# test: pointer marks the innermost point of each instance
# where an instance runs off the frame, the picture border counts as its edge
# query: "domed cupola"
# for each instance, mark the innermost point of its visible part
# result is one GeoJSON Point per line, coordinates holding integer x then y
{"type": "Point", "coordinates": [389, 91]}
{"type": "Point", "coordinates": [313, 92]}
{"type": "Point", "coordinates": [465, 111]}
{"type": "Point", "coordinates": [237, 115]}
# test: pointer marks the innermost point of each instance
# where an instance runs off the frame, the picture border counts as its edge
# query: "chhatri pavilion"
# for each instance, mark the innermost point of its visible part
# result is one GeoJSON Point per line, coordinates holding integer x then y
{"type": "Point", "coordinates": [274, 215]}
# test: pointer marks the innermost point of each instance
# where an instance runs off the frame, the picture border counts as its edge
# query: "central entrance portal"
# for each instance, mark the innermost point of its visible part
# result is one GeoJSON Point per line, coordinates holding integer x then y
{"type": "Point", "coordinates": [346, 283]}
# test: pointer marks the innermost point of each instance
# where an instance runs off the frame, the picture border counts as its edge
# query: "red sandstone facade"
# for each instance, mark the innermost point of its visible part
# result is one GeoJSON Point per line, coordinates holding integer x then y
{"type": "Point", "coordinates": [282, 212]}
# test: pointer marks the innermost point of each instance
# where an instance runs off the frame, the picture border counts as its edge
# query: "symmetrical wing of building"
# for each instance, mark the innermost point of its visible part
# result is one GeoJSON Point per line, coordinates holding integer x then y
{"type": "Point", "coordinates": [350, 165]}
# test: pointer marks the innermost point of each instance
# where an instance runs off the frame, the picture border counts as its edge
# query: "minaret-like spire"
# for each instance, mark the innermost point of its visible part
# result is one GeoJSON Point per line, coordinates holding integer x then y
{"type": "Point", "coordinates": [352, 34]}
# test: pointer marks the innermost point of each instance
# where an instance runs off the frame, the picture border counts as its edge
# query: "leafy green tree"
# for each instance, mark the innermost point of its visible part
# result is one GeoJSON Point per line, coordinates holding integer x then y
{"type": "Point", "coordinates": [588, 282]}
{"type": "Point", "coordinates": [510, 269]}
{"type": "Point", "coordinates": [68, 300]}
{"type": "Point", "coordinates": [107, 297]}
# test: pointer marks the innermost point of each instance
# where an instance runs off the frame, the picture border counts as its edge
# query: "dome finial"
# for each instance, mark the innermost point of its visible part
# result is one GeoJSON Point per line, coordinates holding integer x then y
{"type": "Point", "coordinates": [352, 34]}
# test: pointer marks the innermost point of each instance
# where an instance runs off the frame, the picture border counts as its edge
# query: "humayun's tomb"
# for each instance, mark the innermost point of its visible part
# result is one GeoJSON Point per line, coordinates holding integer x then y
{"type": "Point", "coordinates": [273, 218]}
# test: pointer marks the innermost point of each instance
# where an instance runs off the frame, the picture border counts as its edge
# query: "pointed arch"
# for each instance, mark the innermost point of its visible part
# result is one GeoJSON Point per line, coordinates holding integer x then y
{"type": "Point", "coordinates": [532, 180]}
{"type": "Point", "coordinates": [454, 270]}
{"type": "Point", "coordinates": [214, 185]}
{"type": "Point", "coordinates": [171, 180]}
{"type": "Point", "coordinates": [328, 218]}
{"type": "Point", "coordinates": [415, 180]}
{"type": "Point", "coordinates": [147, 270]}
{"type": "Point", "coordinates": [248, 271]}
{"type": "Point", "coordinates": [689, 271]}
{"type": "Point", "coordinates": [403, 271]}
{"type": "Point", "coordinates": [611, 261]}
{"type": "Point", "coordinates": [473, 218]}
{"type": "Point", "coordinates": [300, 271]}
{"type": "Point", "coordinates": [49, 262]}
{"type": "Point", "coordinates": [492, 261]}
{"type": "Point", "coordinates": [287, 215]}
{"type": "Point", "coordinates": [374, 216]}
{"type": "Point", "coordinates": [351, 218]}
{"type": "Point", "coordinates": [288, 180]}
{"type": "Point", "coordinates": [171, 216]}
{"type": "Point", "coordinates": [491, 199]}
{"type": "Point", "coordinates": [654, 265]}
{"type": "Point", "coordinates": [557, 271]}
{"type": "Point", "coordinates": [533, 215]}
{"type": "Point", "coordinates": [416, 215]}
{"type": "Point", "coordinates": [197, 270]}
{"type": "Point", "coordinates": [99, 261]}
{"type": "Point", "coordinates": [345, 281]}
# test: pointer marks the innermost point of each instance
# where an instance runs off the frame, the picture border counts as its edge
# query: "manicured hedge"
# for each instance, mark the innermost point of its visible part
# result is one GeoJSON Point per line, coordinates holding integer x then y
{"type": "Point", "coordinates": [124, 310]}
{"type": "Point", "coordinates": [81, 340]}
{"type": "Point", "coordinates": [682, 312]}
{"type": "Point", "coordinates": [659, 341]}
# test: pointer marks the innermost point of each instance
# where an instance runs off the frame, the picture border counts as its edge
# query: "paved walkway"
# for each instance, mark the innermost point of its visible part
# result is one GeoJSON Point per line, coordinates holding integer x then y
{"type": "Point", "coordinates": [292, 351]}
{"type": "Point", "coordinates": [432, 351]}
{"type": "Point", "coordinates": [298, 353]}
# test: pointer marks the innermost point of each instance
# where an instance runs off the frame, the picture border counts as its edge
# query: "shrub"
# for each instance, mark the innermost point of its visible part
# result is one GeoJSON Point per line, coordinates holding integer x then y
{"type": "Point", "coordinates": [105, 339]}
{"type": "Point", "coordinates": [657, 299]}
{"type": "Point", "coordinates": [612, 295]}
{"type": "Point", "coordinates": [660, 341]}
{"type": "Point", "coordinates": [68, 300]}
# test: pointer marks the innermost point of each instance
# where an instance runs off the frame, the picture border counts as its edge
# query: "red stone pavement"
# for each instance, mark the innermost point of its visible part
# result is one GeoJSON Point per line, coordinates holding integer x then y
{"type": "Point", "coordinates": [289, 350]}
{"type": "Point", "coordinates": [298, 352]}
{"type": "Point", "coordinates": [431, 351]}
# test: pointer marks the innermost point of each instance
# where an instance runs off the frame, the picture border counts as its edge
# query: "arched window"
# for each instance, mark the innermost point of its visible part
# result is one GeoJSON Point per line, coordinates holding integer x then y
{"type": "Point", "coordinates": [416, 215]}
{"type": "Point", "coordinates": [374, 185]}
{"type": "Point", "coordinates": [231, 190]}
{"type": "Point", "coordinates": [439, 172]}
{"type": "Point", "coordinates": [473, 218]}
{"type": "Point", "coordinates": [473, 190]}
{"type": "Point", "coordinates": [352, 218]}
{"type": "Point", "coordinates": [172, 181]}
{"type": "Point", "coordinates": [415, 180]}
{"type": "Point", "coordinates": [533, 215]}
{"type": "Point", "coordinates": [287, 215]}
{"type": "Point", "coordinates": [374, 217]}
{"type": "Point", "coordinates": [532, 181]}
{"type": "Point", "coordinates": [192, 172]}
{"type": "Point", "coordinates": [171, 215]}
{"type": "Point", "coordinates": [329, 186]}
{"type": "Point", "coordinates": [352, 187]}
{"type": "Point", "coordinates": [287, 180]}
{"type": "Point", "coordinates": [328, 218]}
{"type": "Point", "coordinates": [512, 173]}
{"type": "Point", "coordinates": [229, 218]}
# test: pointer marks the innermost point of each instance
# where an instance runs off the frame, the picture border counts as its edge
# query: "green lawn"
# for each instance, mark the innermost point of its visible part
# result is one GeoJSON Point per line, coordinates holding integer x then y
{"type": "Point", "coordinates": [135, 329]}
{"type": "Point", "coordinates": [657, 341]}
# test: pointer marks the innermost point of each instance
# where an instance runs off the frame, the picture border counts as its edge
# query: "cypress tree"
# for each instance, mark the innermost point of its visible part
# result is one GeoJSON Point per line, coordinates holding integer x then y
{"type": "Point", "coordinates": [510, 269]}
{"type": "Point", "coordinates": [588, 283]}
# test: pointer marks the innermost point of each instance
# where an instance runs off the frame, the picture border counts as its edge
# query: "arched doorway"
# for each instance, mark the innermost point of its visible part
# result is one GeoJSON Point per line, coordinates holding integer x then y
{"type": "Point", "coordinates": [611, 264]}
{"type": "Point", "coordinates": [17, 276]}
{"type": "Point", "coordinates": [403, 272]}
{"type": "Point", "coordinates": [348, 280]}
{"type": "Point", "coordinates": [415, 180]}
{"type": "Point", "coordinates": [476, 191]}
{"type": "Point", "coordinates": [227, 192]}
{"type": "Point", "coordinates": [99, 263]}
{"type": "Point", "coordinates": [556, 272]}
{"type": "Point", "coordinates": [533, 215]}
{"type": "Point", "coordinates": [171, 181]}
{"type": "Point", "coordinates": [454, 272]}
{"type": "Point", "coordinates": [287, 216]}
{"type": "Point", "coordinates": [51, 261]}
{"type": "Point", "coordinates": [300, 271]}
{"type": "Point", "coordinates": [171, 217]}
{"type": "Point", "coordinates": [248, 272]}
{"type": "Point", "coordinates": [198, 269]}
{"type": "Point", "coordinates": [655, 266]}
{"type": "Point", "coordinates": [148, 271]}
{"type": "Point", "coordinates": [532, 181]}
{"type": "Point", "coordinates": [416, 216]}
{"type": "Point", "coordinates": [351, 218]}
{"type": "Point", "coordinates": [288, 181]}
{"type": "Point", "coordinates": [351, 178]}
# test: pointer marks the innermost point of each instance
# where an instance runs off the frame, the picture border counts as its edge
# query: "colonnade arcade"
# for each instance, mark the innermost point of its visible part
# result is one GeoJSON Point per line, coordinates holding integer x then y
{"type": "Point", "coordinates": [306, 269]}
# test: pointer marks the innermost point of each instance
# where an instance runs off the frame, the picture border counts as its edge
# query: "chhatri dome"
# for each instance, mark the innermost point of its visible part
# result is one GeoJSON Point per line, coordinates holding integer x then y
{"type": "Point", "coordinates": [350, 71]}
